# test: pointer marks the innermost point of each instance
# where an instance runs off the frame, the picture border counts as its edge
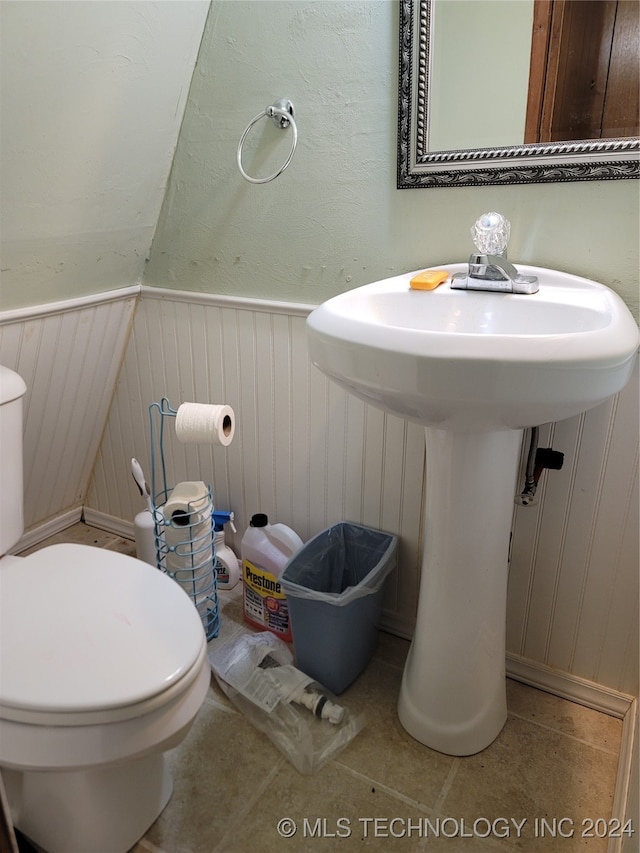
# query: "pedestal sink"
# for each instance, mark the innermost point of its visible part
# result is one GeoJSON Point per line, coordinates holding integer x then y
{"type": "Point", "coordinates": [475, 368]}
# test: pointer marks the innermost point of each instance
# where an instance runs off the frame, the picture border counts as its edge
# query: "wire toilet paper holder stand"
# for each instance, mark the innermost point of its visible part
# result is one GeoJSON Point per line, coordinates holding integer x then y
{"type": "Point", "coordinates": [185, 548]}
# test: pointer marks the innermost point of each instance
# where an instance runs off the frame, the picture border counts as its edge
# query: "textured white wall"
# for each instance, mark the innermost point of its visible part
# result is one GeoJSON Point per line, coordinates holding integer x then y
{"type": "Point", "coordinates": [92, 99]}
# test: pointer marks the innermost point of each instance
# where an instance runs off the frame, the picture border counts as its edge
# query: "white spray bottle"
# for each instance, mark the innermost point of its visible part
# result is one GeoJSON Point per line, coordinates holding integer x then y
{"type": "Point", "coordinates": [226, 565]}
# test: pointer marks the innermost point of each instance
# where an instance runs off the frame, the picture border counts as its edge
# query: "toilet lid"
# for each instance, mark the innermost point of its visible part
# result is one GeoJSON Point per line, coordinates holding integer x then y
{"type": "Point", "coordinates": [84, 629]}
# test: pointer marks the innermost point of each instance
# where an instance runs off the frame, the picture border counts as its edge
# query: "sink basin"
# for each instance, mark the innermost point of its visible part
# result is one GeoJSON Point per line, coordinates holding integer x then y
{"type": "Point", "coordinates": [474, 360]}
{"type": "Point", "coordinates": [474, 368]}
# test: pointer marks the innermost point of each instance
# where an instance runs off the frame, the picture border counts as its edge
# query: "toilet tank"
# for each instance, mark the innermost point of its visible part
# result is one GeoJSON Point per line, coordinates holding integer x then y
{"type": "Point", "coordinates": [12, 390]}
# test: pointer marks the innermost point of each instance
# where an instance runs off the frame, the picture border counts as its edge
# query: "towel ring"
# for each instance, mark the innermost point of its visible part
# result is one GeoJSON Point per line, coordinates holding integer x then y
{"type": "Point", "coordinates": [281, 113]}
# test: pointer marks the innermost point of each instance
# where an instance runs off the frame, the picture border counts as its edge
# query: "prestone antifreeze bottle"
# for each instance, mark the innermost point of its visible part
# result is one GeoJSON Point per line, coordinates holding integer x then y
{"type": "Point", "coordinates": [265, 551]}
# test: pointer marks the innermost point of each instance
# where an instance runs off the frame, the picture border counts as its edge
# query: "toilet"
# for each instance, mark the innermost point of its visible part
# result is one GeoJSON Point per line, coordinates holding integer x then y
{"type": "Point", "coordinates": [103, 668]}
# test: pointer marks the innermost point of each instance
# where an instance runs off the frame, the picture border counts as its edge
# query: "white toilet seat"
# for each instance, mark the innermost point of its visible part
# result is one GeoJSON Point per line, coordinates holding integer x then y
{"type": "Point", "coordinates": [101, 716]}
{"type": "Point", "coordinates": [64, 746]}
{"type": "Point", "coordinates": [88, 635]}
{"type": "Point", "coordinates": [148, 642]}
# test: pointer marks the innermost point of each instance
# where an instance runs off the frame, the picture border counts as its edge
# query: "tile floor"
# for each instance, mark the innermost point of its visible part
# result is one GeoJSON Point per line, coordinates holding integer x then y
{"type": "Point", "coordinates": [554, 764]}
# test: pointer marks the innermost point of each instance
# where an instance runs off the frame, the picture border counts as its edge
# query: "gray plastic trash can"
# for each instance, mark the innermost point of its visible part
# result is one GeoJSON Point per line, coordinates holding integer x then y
{"type": "Point", "coordinates": [334, 587]}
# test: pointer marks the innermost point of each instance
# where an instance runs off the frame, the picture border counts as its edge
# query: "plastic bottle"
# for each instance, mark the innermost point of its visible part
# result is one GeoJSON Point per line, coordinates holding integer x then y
{"type": "Point", "coordinates": [265, 550]}
{"type": "Point", "coordinates": [144, 527]}
{"type": "Point", "coordinates": [226, 564]}
{"type": "Point", "coordinates": [144, 531]}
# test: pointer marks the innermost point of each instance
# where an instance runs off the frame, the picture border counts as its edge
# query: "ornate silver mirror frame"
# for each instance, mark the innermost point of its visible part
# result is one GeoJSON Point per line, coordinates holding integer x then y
{"type": "Point", "coordinates": [595, 160]}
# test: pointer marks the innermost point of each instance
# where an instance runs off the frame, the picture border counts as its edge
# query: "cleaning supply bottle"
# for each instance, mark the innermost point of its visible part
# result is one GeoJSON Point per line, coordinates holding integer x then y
{"type": "Point", "coordinates": [144, 528]}
{"type": "Point", "coordinates": [226, 564]}
{"type": "Point", "coordinates": [265, 550]}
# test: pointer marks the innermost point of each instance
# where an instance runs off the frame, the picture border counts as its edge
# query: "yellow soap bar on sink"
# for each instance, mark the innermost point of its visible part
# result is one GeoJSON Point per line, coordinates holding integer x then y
{"type": "Point", "coordinates": [428, 280]}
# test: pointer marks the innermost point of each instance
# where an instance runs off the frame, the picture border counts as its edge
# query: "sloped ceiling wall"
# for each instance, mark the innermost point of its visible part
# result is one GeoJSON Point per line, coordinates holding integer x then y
{"type": "Point", "coordinates": [92, 98]}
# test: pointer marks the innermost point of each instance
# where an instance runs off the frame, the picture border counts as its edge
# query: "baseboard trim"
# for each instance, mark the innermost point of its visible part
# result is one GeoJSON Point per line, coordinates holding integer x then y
{"type": "Point", "coordinates": [396, 625]}
{"type": "Point", "coordinates": [624, 805]}
{"type": "Point", "coordinates": [110, 523]}
{"type": "Point", "coordinates": [546, 678]}
{"type": "Point", "coordinates": [569, 686]}
{"type": "Point", "coordinates": [48, 528]}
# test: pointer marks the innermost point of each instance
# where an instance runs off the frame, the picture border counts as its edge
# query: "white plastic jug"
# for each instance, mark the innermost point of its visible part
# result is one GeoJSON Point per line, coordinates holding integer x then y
{"type": "Point", "coordinates": [265, 551]}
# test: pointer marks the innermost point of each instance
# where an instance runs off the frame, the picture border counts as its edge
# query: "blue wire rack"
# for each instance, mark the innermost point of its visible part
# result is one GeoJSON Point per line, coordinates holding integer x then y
{"type": "Point", "coordinates": [185, 544]}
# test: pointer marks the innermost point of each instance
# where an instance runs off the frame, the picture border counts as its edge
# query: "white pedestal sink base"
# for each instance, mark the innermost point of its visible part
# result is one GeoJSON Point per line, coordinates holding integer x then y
{"type": "Point", "coordinates": [472, 364]}
{"type": "Point", "coordinates": [453, 693]}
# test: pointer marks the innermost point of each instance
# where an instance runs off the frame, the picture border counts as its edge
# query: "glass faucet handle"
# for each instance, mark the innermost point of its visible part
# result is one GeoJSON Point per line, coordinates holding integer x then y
{"type": "Point", "coordinates": [491, 234]}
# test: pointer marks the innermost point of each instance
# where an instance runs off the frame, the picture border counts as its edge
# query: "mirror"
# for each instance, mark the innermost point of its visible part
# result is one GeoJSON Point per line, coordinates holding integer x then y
{"type": "Point", "coordinates": [462, 122]}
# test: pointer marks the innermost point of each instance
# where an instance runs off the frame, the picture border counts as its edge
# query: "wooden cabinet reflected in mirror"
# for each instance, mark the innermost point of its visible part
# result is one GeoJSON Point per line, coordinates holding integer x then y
{"type": "Point", "coordinates": [584, 79]}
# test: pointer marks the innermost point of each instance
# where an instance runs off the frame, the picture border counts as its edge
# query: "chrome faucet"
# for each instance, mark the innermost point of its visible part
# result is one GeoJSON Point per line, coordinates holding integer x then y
{"type": "Point", "coordinates": [489, 268]}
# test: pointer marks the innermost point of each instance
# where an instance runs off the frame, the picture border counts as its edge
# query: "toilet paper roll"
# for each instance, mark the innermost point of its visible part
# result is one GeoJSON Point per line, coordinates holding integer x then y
{"type": "Point", "coordinates": [202, 423]}
{"type": "Point", "coordinates": [186, 503]}
{"type": "Point", "coordinates": [188, 534]}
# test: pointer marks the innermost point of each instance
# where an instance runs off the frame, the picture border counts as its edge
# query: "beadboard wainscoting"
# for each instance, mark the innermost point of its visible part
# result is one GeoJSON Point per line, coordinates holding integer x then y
{"type": "Point", "coordinates": [304, 452]}
{"type": "Point", "coordinates": [69, 354]}
{"type": "Point", "coordinates": [309, 454]}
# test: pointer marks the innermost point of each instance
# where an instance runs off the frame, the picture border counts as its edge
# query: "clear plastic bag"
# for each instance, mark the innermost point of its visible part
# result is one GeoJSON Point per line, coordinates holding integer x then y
{"type": "Point", "coordinates": [298, 715]}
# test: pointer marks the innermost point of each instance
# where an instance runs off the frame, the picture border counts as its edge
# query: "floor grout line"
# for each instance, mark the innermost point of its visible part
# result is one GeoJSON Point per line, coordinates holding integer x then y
{"type": "Point", "coordinates": [574, 738]}
{"type": "Point", "coordinates": [446, 787]}
{"type": "Point", "coordinates": [380, 786]}
{"type": "Point", "coordinates": [240, 816]}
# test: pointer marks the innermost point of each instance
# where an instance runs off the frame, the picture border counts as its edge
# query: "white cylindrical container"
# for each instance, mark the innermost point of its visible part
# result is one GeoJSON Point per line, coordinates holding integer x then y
{"type": "Point", "coordinates": [12, 390]}
{"type": "Point", "coordinates": [265, 550]}
{"type": "Point", "coordinates": [145, 535]}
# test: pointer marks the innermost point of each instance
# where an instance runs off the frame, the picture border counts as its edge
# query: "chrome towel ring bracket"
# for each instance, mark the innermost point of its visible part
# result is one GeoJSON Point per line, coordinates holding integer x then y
{"type": "Point", "coordinates": [281, 114]}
